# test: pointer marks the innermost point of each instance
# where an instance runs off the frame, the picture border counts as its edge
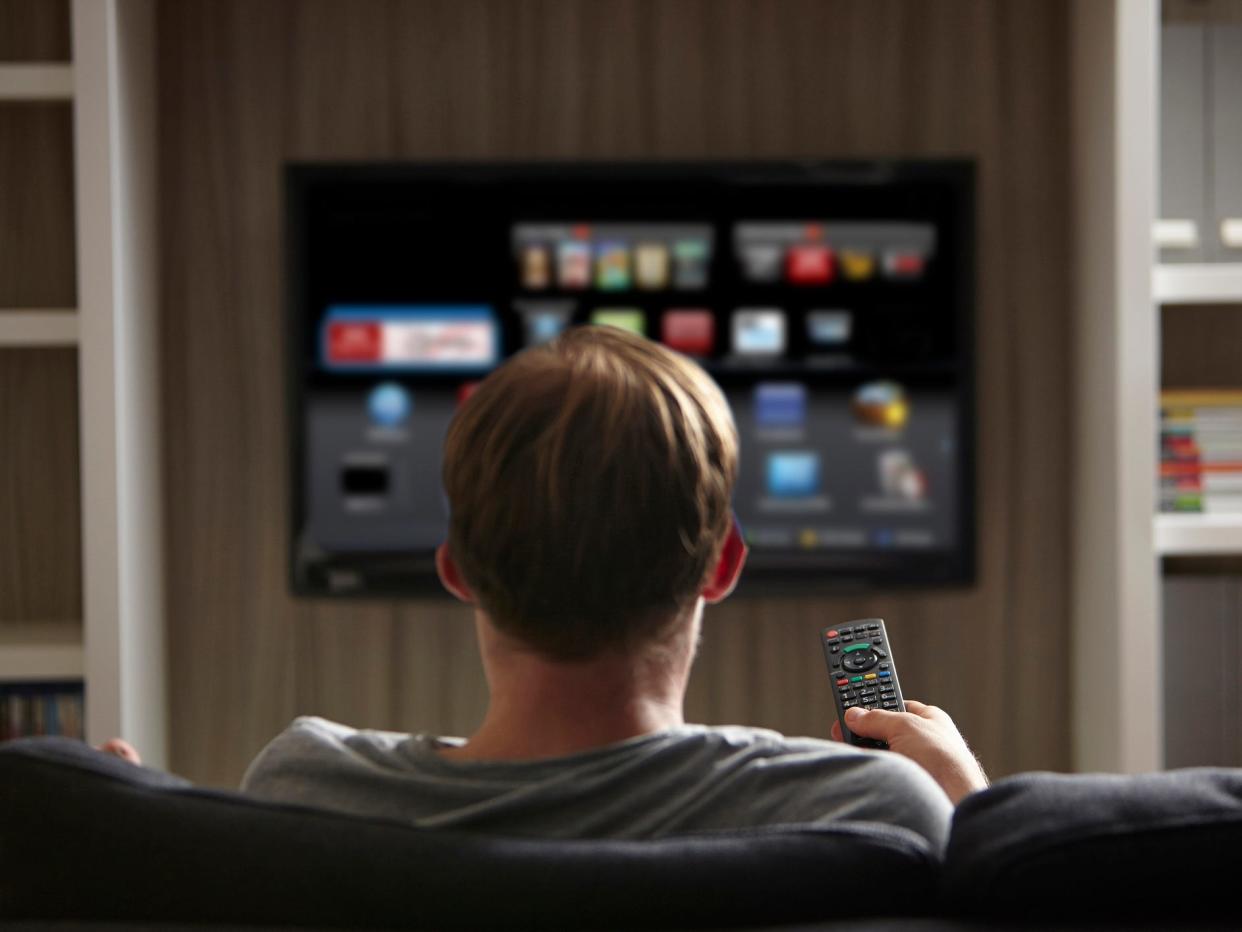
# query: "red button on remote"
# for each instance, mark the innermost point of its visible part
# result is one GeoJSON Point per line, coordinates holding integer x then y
{"type": "Point", "coordinates": [832, 634]}
{"type": "Point", "coordinates": [842, 682]}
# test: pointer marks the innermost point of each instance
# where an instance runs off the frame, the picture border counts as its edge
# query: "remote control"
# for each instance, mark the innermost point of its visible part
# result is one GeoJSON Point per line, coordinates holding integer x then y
{"type": "Point", "coordinates": [861, 666]}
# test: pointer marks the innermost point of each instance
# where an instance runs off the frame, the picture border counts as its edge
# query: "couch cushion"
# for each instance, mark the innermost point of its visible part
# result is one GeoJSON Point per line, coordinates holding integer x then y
{"type": "Point", "coordinates": [1045, 844]}
{"type": "Point", "coordinates": [84, 835]}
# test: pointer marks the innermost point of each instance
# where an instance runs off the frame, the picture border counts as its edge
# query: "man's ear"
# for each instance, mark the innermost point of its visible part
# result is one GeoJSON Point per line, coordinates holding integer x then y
{"type": "Point", "coordinates": [450, 575]}
{"type": "Point", "coordinates": [729, 567]}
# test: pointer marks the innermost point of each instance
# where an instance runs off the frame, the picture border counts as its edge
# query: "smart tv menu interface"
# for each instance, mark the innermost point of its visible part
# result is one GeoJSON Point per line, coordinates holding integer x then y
{"type": "Point", "coordinates": [832, 315]}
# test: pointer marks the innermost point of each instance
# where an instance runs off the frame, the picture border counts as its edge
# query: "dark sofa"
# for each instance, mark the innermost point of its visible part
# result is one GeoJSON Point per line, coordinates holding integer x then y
{"type": "Point", "coordinates": [87, 839]}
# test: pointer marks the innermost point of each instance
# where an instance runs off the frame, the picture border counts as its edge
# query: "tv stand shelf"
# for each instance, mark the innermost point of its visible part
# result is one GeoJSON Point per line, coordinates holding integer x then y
{"type": "Point", "coordinates": [1198, 534]}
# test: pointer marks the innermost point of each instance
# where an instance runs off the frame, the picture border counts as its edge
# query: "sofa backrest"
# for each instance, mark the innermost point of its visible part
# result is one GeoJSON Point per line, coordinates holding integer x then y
{"type": "Point", "coordinates": [87, 836]}
{"type": "Point", "coordinates": [1100, 846]}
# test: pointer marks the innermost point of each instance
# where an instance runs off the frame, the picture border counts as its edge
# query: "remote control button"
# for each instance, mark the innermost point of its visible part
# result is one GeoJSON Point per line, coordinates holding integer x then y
{"type": "Point", "coordinates": [879, 652]}
{"type": "Point", "coordinates": [835, 649]}
{"type": "Point", "coordinates": [890, 704]}
{"type": "Point", "coordinates": [842, 681]}
{"type": "Point", "coordinates": [874, 626]}
{"type": "Point", "coordinates": [831, 634]}
{"type": "Point", "coordinates": [883, 666]}
{"type": "Point", "coordinates": [869, 676]}
{"type": "Point", "coordinates": [855, 679]}
{"type": "Point", "coordinates": [846, 636]}
{"type": "Point", "coordinates": [882, 673]}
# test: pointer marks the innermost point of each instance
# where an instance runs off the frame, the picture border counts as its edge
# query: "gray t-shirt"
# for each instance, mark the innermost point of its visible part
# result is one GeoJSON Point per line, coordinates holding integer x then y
{"type": "Point", "coordinates": [687, 779]}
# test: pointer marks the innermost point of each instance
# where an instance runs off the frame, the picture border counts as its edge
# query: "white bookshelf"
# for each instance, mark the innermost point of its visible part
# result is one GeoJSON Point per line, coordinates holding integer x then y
{"type": "Point", "coordinates": [36, 82]}
{"type": "Point", "coordinates": [38, 327]}
{"type": "Point", "coordinates": [1198, 283]}
{"type": "Point", "coordinates": [41, 652]}
{"type": "Point", "coordinates": [1198, 534]}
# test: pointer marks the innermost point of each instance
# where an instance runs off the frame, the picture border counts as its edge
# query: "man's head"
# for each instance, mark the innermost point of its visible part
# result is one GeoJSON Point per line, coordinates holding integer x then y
{"type": "Point", "coordinates": [589, 483]}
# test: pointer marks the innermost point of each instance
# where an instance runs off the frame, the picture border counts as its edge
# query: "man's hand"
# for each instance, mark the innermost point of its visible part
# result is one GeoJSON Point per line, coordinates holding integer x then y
{"type": "Point", "coordinates": [927, 736]}
{"type": "Point", "coordinates": [121, 749]}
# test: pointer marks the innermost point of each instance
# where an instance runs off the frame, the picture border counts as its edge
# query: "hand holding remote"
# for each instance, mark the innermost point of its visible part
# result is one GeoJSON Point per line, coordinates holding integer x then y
{"type": "Point", "coordinates": [927, 736]}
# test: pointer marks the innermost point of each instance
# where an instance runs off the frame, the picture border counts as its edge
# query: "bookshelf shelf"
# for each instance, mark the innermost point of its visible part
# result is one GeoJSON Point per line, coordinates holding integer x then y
{"type": "Point", "coordinates": [20, 327]}
{"type": "Point", "coordinates": [33, 652]}
{"type": "Point", "coordinates": [1198, 534]}
{"type": "Point", "coordinates": [1199, 283]}
{"type": "Point", "coordinates": [31, 82]}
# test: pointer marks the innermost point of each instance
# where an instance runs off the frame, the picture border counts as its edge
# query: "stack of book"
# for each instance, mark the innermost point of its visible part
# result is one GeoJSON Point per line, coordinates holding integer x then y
{"type": "Point", "coordinates": [1201, 451]}
{"type": "Point", "coordinates": [28, 709]}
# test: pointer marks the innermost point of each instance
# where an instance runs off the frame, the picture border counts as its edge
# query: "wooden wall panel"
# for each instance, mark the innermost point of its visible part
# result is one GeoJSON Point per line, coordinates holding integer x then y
{"type": "Point", "coordinates": [34, 30]}
{"type": "Point", "coordinates": [40, 557]}
{"type": "Point", "coordinates": [246, 86]}
{"type": "Point", "coordinates": [36, 206]}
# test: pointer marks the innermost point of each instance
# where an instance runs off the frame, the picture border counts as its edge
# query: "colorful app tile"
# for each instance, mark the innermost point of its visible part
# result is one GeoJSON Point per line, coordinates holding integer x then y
{"type": "Point", "coordinates": [689, 330]}
{"type": "Point", "coordinates": [573, 265]}
{"type": "Point", "coordinates": [759, 331]}
{"type": "Point", "coordinates": [416, 338]}
{"type": "Point", "coordinates": [809, 264]}
{"type": "Point", "coordinates": [780, 405]}
{"type": "Point", "coordinates": [612, 266]}
{"type": "Point", "coordinates": [690, 261]}
{"type": "Point", "coordinates": [762, 263]}
{"type": "Point", "coordinates": [623, 318]}
{"type": "Point", "coordinates": [793, 474]}
{"type": "Point", "coordinates": [900, 477]}
{"type": "Point", "coordinates": [544, 320]}
{"type": "Point", "coordinates": [857, 265]}
{"type": "Point", "coordinates": [829, 328]}
{"type": "Point", "coordinates": [904, 264]}
{"type": "Point", "coordinates": [389, 404]}
{"type": "Point", "coordinates": [881, 404]}
{"type": "Point", "coordinates": [536, 267]}
{"type": "Point", "coordinates": [651, 266]}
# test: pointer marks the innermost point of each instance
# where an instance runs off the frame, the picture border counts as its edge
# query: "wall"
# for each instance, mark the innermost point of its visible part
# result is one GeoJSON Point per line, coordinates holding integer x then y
{"type": "Point", "coordinates": [246, 86]}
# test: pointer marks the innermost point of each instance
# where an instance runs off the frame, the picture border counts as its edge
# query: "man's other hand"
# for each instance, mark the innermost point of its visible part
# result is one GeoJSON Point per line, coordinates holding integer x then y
{"type": "Point", "coordinates": [121, 749]}
{"type": "Point", "coordinates": [927, 736]}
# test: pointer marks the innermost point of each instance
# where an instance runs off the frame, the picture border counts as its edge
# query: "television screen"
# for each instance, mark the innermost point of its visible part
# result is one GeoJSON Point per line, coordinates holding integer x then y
{"type": "Point", "coordinates": [832, 303]}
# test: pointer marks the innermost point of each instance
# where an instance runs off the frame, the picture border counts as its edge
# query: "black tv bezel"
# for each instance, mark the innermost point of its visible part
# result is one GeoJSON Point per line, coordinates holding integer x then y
{"type": "Point", "coordinates": [955, 569]}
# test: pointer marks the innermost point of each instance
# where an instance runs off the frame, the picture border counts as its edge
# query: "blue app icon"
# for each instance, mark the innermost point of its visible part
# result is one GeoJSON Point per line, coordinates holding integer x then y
{"type": "Point", "coordinates": [793, 474]}
{"type": "Point", "coordinates": [780, 404]}
{"type": "Point", "coordinates": [389, 404]}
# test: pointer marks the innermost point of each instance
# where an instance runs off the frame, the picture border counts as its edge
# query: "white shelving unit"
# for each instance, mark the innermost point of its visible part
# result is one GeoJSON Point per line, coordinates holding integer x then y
{"type": "Point", "coordinates": [1198, 283]}
{"type": "Point", "coordinates": [118, 650]}
{"type": "Point", "coordinates": [1198, 535]}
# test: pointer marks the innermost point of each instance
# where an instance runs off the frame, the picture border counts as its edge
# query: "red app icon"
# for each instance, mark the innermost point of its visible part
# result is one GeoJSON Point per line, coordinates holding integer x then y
{"type": "Point", "coordinates": [354, 342]}
{"type": "Point", "coordinates": [465, 390]}
{"type": "Point", "coordinates": [692, 332]}
{"type": "Point", "coordinates": [809, 264]}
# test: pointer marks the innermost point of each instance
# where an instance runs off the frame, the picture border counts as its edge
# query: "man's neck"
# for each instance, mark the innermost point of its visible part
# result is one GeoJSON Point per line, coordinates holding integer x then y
{"type": "Point", "coordinates": [540, 708]}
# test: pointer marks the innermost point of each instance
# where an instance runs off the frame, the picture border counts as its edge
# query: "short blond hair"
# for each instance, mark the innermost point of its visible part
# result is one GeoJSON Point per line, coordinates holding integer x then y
{"type": "Point", "coordinates": [589, 483]}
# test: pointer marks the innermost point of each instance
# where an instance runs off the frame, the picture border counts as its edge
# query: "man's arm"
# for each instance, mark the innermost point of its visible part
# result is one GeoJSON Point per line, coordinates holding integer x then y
{"type": "Point", "coordinates": [927, 736]}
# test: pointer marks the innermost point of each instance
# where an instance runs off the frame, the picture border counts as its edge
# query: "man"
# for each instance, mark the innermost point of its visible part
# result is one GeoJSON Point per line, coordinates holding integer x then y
{"type": "Point", "coordinates": [589, 483]}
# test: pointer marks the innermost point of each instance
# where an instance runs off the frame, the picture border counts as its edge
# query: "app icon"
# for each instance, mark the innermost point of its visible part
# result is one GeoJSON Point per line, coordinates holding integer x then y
{"type": "Point", "coordinates": [759, 331]}
{"type": "Point", "coordinates": [762, 262]}
{"type": "Point", "coordinates": [465, 390]}
{"type": "Point", "coordinates": [903, 264]}
{"type": "Point", "coordinates": [536, 267]}
{"type": "Point", "coordinates": [884, 537]}
{"type": "Point", "coordinates": [623, 318]}
{"type": "Point", "coordinates": [574, 264]}
{"type": "Point", "coordinates": [829, 328]}
{"type": "Point", "coordinates": [544, 320]}
{"type": "Point", "coordinates": [689, 331]}
{"type": "Point", "coordinates": [354, 342]}
{"type": "Point", "coordinates": [793, 474]}
{"type": "Point", "coordinates": [651, 265]}
{"type": "Point", "coordinates": [612, 266]}
{"type": "Point", "coordinates": [389, 404]}
{"type": "Point", "coordinates": [857, 265]}
{"type": "Point", "coordinates": [808, 539]}
{"type": "Point", "coordinates": [809, 264]}
{"type": "Point", "coordinates": [780, 404]}
{"type": "Point", "coordinates": [690, 264]}
{"type": "Point", "coordinates": [900, 477]}
{"type": "Point", "coordinates": [881, 404]}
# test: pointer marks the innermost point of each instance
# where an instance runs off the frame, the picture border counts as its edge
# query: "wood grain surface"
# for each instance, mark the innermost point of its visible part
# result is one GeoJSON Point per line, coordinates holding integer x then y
{"type": "Point", "coordinates": [246, 86]}
{"type": "Point", "coordinates": [40, 556]}
{"type": "Point", "coordinates": [37, 253]}
{"type": "Point", "coordinates": [34, 30]}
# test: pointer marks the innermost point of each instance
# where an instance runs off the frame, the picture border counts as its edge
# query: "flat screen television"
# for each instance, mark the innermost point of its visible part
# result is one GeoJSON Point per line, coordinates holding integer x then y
{"type": "Point", "coordinates": [831, 301]}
